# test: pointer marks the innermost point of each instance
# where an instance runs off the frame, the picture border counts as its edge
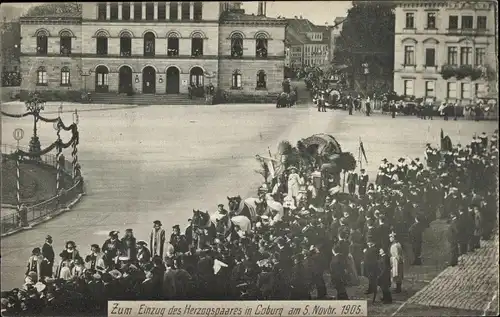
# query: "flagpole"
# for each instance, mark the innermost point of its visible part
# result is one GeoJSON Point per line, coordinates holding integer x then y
{"type": "Point", "coordinates": [359, 155]}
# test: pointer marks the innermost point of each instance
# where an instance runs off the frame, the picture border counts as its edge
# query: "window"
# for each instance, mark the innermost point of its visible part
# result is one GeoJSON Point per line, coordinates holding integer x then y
{"type": "Point", "coordinates": [465, 91]}
{"type": "Point", "coordinates": [453, 22]}
{"type": "Point", "coordinates": [429, 88]}
{"type": "Point", "coordinates": [467, 22]}
{"type": "Point", "coordinates": [174, 11]}
{"type": "Point", "coordinates": [137, 11]}
{"type": "Point", "coordinates": [409, 56]}
{"type": "Point", "coordinates": [236, 79]}
{"type": "Point", "coordinates": [431, 20]}
{"type": "Point", "coordinates": [173, 45]}
{"type": "Point", "coordinates": [408, 87]}
{"type": "Point", "coordinates": [126, 11]}
{"type": "Point", "coordinates": [150, 11]}
{"type": "Point", "coordinates": [197, 45]}
{"type": "Point", "coordinates": [261, 79]}
{"type": "Point", "coordinates": [480, 56]}
{"type": "Point", "coordinates": [101, 11]}
{"type": "Point", "coordinates": [41, 76]}
{"type": "Point", "coordinates": [452, 55]}
{"type": "Point", "coordinates": [410, 21]}
{"type": "Point", "coordinates": [101, 74]}
{"type": "Point", "coordinates": [102, 44]}
{"type": "Point", "coordinates": [149, 44]}
{"type": "Point", "coordinates": [196, 78]}
{"type": "Point", "coordinates": [65, 43]}
{"type": "Point", "coordinates": [114, 11]}
{"type": "Point", "coordinates": [41, 42]}
{"type": "Point", "coordinates": [198, 11]}
{"type": "Point", "coordinates": [185, 8]}
{"type": "Point", "coordinates": [65, 76]}
{"type": "Point", "coordinates": [162, 11]}
{"type": "Point", "coordinates": [261, 48]}
{"type": "Point", "coordinates": [430, 57]}
{"type": "Point", "coordinates": [125, 44]}
{"type": "Point", "coordinates": [451, 90]}
{"type": "Point", "coordinates": [236, 45]}
{"type": "Point", "coordinates": [481, 23]}
{"type": "Point", "coordinates": [479, 89]}
{"type": "Point", "coordinates": [466, 56]}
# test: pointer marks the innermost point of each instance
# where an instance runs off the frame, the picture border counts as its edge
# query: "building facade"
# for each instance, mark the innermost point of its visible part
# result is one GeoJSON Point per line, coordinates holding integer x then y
{"type": "Point", "coordinates": [445, 50]}
{"type": "Point", "coordinates": [335, 31]}
{"type": "Point", "coordinates": [154, 48]}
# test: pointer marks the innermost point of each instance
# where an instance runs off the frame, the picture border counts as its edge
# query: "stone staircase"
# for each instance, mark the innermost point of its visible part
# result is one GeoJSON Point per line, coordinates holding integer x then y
{"type": "Point", "coordinates": [146, 99]}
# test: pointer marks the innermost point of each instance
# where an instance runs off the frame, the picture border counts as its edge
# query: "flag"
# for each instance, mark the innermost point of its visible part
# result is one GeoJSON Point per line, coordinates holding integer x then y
{"type": "Point", "coordinates": [362, 149]}
{"type": "Point", "coordinates": [270, 164]}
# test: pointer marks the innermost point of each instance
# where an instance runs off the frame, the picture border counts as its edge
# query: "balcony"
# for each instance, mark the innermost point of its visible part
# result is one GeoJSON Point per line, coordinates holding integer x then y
{"type": "Point", "coordinates": [468, 32]}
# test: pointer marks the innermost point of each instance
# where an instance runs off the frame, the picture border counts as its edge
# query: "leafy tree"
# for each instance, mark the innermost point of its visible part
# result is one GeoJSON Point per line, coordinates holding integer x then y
{"type": "Point", "coordinates": [54, 9]}
{"type": "Point", "coordinates": [367, 36]}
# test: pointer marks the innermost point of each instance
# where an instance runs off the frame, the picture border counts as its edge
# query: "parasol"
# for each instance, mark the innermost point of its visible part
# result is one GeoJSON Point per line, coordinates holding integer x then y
{"type": "Point", "coordinates": [325, 143]}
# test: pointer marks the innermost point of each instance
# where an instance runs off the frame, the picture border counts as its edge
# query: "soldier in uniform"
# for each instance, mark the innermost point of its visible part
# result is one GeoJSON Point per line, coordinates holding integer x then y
{"type": "Point", "coordinates": [363, 182]}
{"type": "Point", "coordinates": [352, 180]}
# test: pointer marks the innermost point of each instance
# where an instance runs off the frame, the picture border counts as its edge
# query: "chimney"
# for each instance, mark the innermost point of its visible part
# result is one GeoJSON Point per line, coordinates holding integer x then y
{"type": "Point", "coordinates": [260, 8]}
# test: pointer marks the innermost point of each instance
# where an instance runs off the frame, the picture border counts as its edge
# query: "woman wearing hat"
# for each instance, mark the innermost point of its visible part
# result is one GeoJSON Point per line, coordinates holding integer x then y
{"type": "Point", "coordinates": [70, 252]}
{"type": "Point", "coordinates": [110, 249]}
{"type": "Point", "coordinates": [35, 263]}
{"type": "Point", "coordinates": [294, 183]}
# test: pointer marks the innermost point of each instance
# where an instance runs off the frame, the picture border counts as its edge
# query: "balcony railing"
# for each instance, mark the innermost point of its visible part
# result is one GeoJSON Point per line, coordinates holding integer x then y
{"type": "Point", "coordinates": [473, 32]}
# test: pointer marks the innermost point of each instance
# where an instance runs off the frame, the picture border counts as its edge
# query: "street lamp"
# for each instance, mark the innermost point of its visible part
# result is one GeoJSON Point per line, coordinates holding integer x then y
{"type": "Point", "coordinates": [85, 75]}
{"type": "Point", "coordinates": [34, 105]}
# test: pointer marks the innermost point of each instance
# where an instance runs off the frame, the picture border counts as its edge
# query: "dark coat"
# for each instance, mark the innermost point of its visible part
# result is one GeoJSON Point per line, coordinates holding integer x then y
{"type": "Point", "coordinates": [416, 232]}
{"type": "Point", "coordinates": [384, 277]}
{"type": "Point", "coordinates": [370, 262]}
{"type": "Point", "coordinates": [384, 230]}
{"type": "Point", "coordinates": [338, 270]}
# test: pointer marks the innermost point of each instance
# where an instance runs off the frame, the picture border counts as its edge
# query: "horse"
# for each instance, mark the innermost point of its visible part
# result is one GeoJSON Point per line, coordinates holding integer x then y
{"type": "Point", "coordinates": [203, 229]}
{"type": "Point", "coordinates": [239, 207]}
{"type": "Point", "coordinates": [269, 207]}
{"type": "Point", "coordinates": [226, 227]}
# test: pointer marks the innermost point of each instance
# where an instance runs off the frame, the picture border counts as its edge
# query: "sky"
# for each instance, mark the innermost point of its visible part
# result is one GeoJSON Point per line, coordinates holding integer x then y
{"type": "Point", "coordinates": [317, 12]}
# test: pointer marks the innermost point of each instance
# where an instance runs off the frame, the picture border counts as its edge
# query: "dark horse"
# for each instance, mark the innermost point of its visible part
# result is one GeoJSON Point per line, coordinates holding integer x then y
{"type": "Point", "coordinates": [226, 230]}
{"type": "Point", "coordinates": [202, 229]}
{"type": "Point", "coordinates": [238, 207]}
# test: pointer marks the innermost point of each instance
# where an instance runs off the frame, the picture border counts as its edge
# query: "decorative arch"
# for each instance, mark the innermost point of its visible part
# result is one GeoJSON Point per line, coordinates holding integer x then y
{"type": "Point", "coordinates": [262, 35]}
{"type": "Point", "coordinates": [101, 33]}
{"type": "Point", "coordinates": [178, 68]}
{"type": "Point", "coordinates": [66, 33]}
{"type": "Point", "coordinates": [430, 40]}
{"type": "Point", "coordinates": [465, 39]}
{"type": "Point", "coordinates": [150, 31]}
{"type": "Point", "coordinates": [173, 34]}
{"type": "Point", "coordinates": [409, 40]}
{"type": "Point", "coordinates": [126, 33]}
{"type": "Point", "coordinates": [237, 35]}
{"type": "Point", "coordinates": [42, 32]}
{"type": "Point", "coordinates": [127, 65]}
{"type": "Point", "coordinates": [149, 65]}
{"type": "Point", "coordinates": [100, 66]}
{"type": "Point", "coordinates": [198, 35]}
{"type": "Point", "coordinates": [197, 66]}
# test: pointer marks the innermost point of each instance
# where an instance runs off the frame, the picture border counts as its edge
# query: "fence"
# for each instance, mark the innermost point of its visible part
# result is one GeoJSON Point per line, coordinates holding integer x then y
{"type": "Point", "coordinates": [49, 206]}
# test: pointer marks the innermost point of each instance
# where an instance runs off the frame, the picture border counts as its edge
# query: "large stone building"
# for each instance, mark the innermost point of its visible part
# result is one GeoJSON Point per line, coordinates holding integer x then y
{"type": "Point", "coordinates": [154, 48]}
{"type": "Point", "coordinates": [446, 50]}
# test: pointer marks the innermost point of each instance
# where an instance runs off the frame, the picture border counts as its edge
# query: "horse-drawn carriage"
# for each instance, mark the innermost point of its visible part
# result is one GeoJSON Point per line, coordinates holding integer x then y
{"type": "Point", "coordinates": [288, 97]}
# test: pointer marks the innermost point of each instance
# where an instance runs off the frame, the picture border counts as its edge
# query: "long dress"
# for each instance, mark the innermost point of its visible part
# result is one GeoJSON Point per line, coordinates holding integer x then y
{"type": "Point", "coordinates": [294, 182]}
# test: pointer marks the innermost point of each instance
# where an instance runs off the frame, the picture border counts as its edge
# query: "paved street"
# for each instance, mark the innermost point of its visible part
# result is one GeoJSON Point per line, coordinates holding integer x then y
{"type": "Point", "coordinates": [160, 162]}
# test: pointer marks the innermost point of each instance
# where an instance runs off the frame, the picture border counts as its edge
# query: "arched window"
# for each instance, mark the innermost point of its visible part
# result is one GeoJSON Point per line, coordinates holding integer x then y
{"type": "Point", "coordinates": [65, 76]}
{"type": "Point", "coordinates": [41, 42]}
{"type": "Point", "coordinates": [41, 76]}
{"type": "Point", "coordinates": [198, 11]}
{"type": "Point", "coordinates": [102, 43]}
{"type": "Point", "coordinates": [197, 44]}
{"type": "Point", "coordinates": [236, 80]}
{"type": "Point", "coordinates": [261, 79]}
{"type": "Point", "coordinates": [237, 45]}
{"type": "Point", "coordinates": [149, 44]}
{"type": "Point", "coordinates": [261, 46]}
{"type": "Point", "coordinates": [101, 78]}
{"type": "Point", "coordinates": [65, 42]}
{"type": "Point", "coordinates": [173, 44]}
{"type": "Point", "coordinates": [196, 77]}
{"type": "Point", "coordinates": [125, 43]}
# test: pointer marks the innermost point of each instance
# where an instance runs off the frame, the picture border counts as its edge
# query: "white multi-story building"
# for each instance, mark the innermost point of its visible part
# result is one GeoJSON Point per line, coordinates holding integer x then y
{"type": "Point", "coordinates": [445, 49]}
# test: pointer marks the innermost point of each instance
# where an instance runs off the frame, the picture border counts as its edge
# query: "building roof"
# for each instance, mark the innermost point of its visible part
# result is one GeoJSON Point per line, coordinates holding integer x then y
{"type": "Point", "coordinates": [298, 28]}
{"type": "Point", "coordinates": [338, 20]}
{"type": "Point", "coordinates": [229, 16]}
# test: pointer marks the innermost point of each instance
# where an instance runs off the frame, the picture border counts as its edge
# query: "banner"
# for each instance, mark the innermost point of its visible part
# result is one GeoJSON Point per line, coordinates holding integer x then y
{"type": "Point", "coordinates": [238, 308]}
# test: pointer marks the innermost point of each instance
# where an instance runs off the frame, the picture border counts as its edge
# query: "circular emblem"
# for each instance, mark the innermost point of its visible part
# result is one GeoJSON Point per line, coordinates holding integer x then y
{"type": "Point", "coordinates": [18, 134]}
{"type": "Point", "coordinates": [56, 125]}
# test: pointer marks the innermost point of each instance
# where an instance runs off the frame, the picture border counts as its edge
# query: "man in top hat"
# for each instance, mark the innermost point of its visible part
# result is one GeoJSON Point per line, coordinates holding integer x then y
{"type": "Point", "coordinates": [157, 239]}
{"type": "Point", "coordinates": [110, 248]}
{"type": "Point", "coordinates": [48, 257]}
{"type": "Point", "coordinates": [352, 180]}
{"type": "Point", "coordinates": [397, 262]}
{"type": "Point", "coordinates": [178, 240]}
{"type": "Point", "coordinates": [363, 182]}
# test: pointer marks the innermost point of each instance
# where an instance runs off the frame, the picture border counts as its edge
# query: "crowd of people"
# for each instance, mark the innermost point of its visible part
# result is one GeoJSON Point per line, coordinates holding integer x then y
{"type": "Point", "coordinates": [320, 236]}
{"type": "Point", "coordinates": [11, 79]}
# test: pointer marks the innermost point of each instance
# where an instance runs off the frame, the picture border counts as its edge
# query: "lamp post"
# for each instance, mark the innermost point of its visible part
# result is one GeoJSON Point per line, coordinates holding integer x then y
{"type": "Point", "coordinates": [34, 105]}
{"type": "Point", "coordinates": [84, 75]}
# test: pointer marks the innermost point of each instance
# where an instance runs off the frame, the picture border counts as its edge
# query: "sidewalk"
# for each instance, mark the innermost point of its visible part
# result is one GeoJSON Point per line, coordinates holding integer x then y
{"type": "Point", "coordinates": [51, 107]}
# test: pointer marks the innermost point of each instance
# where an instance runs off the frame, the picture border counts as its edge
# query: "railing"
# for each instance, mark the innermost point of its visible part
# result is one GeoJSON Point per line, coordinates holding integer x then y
{"type": "Point", "coordinates": [468, 31]}
{"type": "Point", "coordinates": [43, 209]}
{"type": "Point", "coordinates": [48, 159]}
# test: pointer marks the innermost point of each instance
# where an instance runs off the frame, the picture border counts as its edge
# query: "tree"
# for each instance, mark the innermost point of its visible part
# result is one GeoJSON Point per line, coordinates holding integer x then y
{"type": "Point", "coordinates": [367, 36]}
{"type": "Point", "coordinates": [55, 9]}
